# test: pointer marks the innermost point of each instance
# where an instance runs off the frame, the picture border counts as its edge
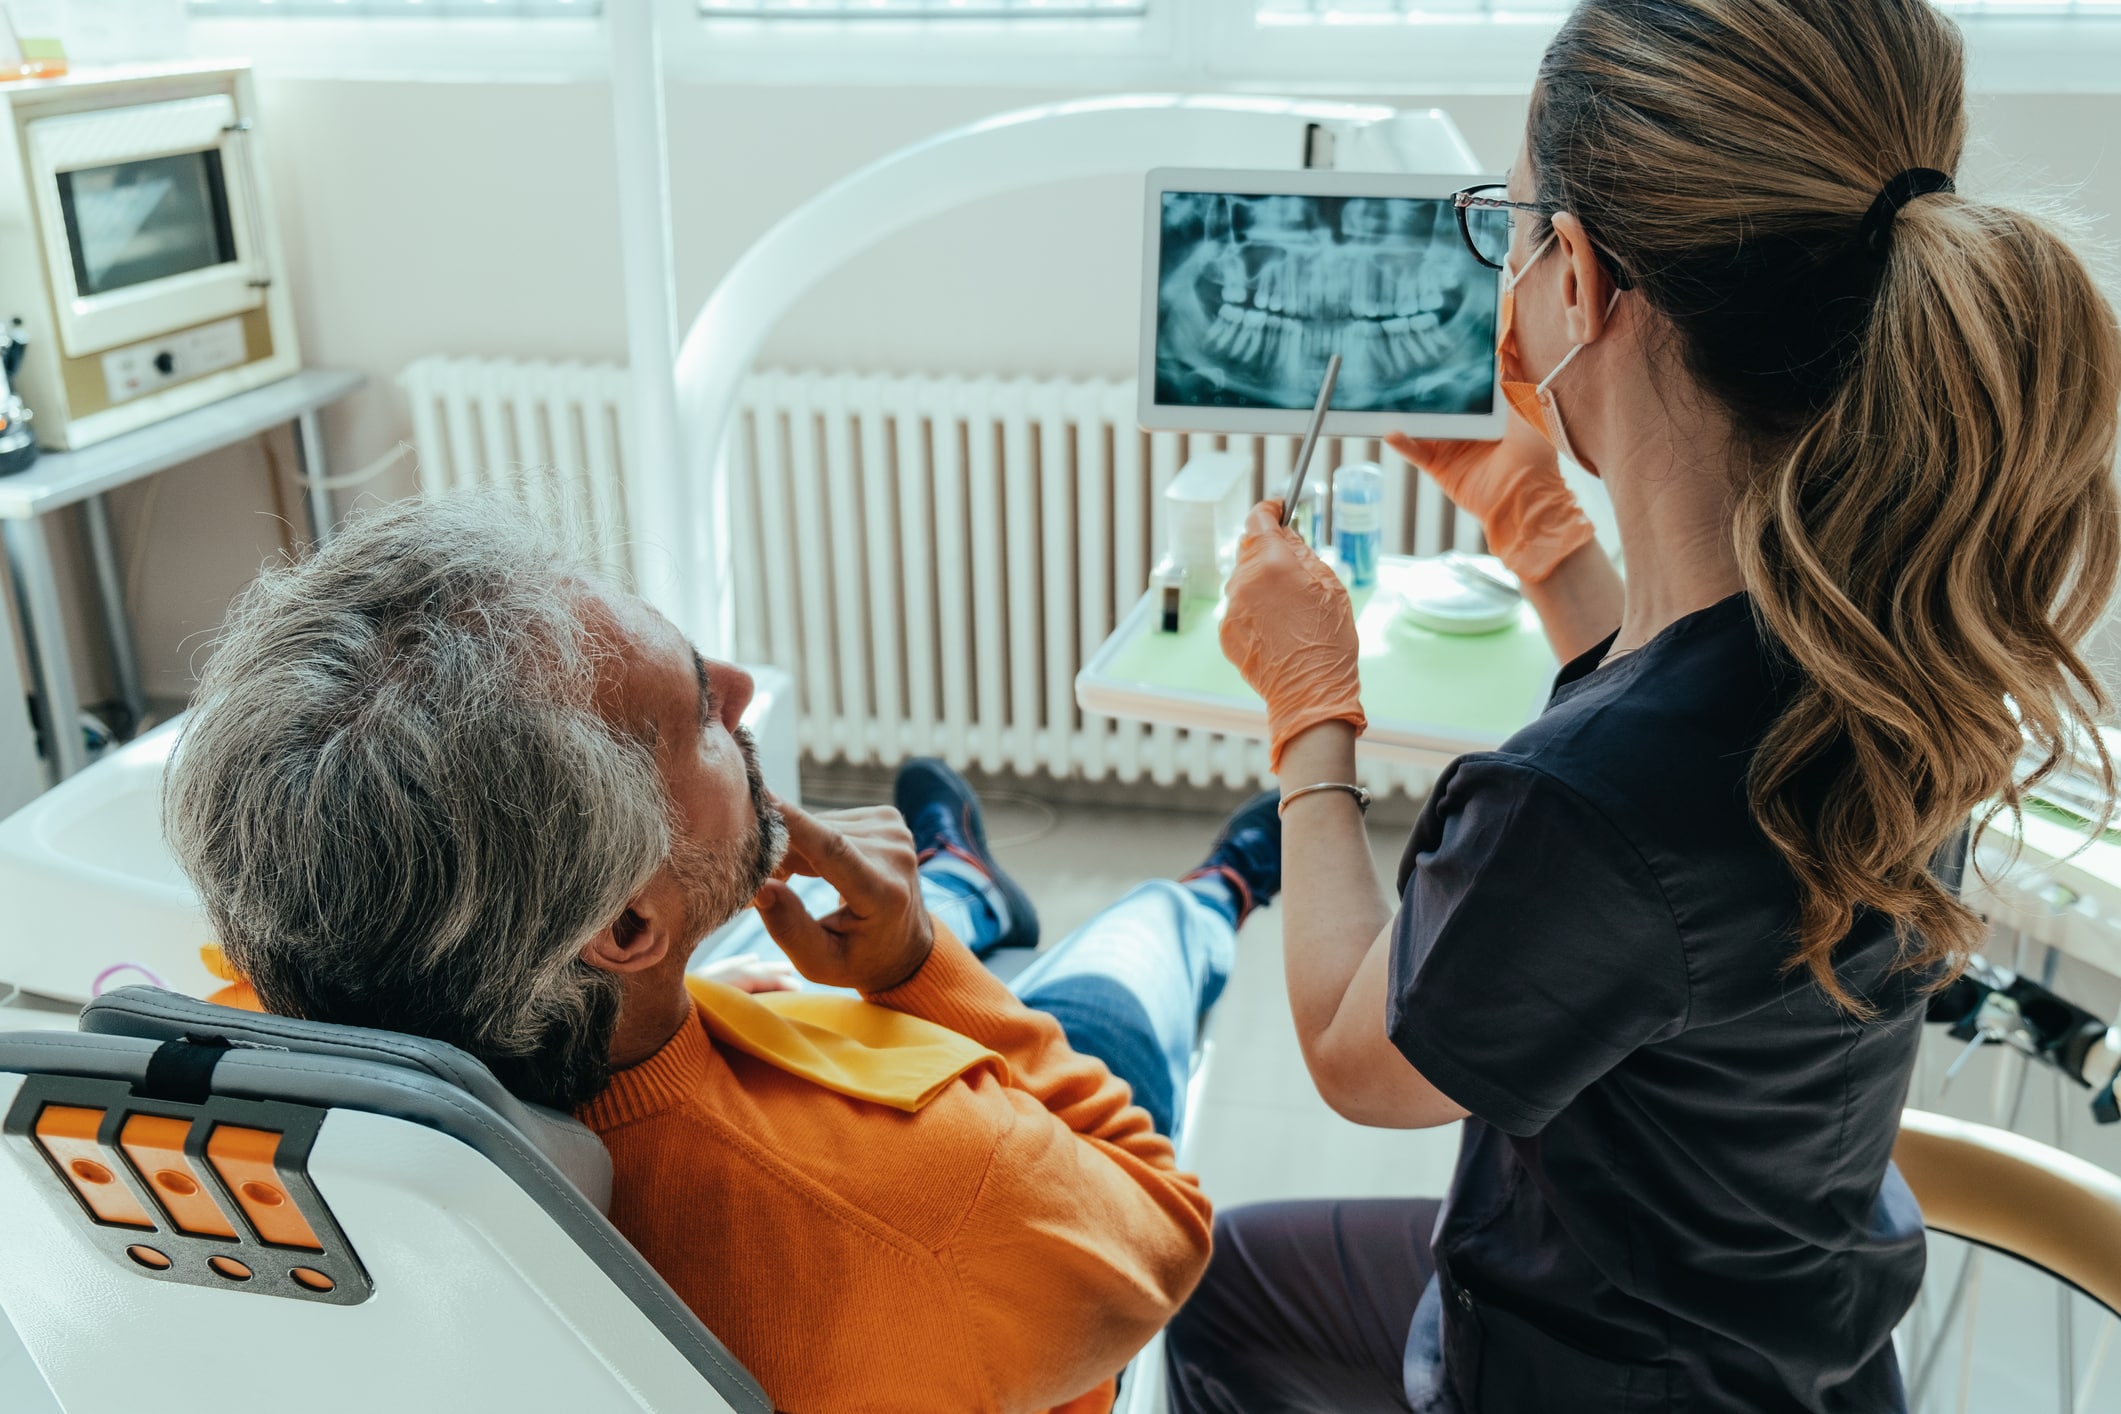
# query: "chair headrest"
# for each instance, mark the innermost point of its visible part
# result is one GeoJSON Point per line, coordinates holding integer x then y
{"type": "Point", "coordinates": [152, 1014]}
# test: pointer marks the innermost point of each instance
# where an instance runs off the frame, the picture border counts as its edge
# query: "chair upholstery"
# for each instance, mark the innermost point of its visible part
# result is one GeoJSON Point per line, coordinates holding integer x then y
{"type": "Point", "coordinates": [2056, 1211]}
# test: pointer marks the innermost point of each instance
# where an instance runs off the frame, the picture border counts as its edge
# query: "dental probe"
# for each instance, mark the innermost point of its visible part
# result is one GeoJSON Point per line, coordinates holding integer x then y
{"type": "Point", "coordinates": [1303, 453]}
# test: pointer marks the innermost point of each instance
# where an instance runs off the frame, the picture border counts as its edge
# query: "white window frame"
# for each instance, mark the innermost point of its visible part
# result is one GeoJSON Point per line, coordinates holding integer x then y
{"type": "Point", "coordinates": [1066, 54]}
{"type": "Point", "coordinates": [1179, 44]}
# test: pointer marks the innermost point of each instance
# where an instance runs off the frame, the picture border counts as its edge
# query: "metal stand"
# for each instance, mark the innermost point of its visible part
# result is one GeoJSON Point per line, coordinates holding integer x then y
{"type": "Point", "coordinates": [309, 460]}
{"type": "Point", "coordinates": [117, 615]}
{"type": "Point", "coordinates": [51, 666]}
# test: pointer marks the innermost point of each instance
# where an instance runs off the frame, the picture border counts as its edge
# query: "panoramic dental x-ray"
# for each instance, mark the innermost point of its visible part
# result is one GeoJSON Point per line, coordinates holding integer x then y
{"type": "Point", "coordinates": [1255, 293]}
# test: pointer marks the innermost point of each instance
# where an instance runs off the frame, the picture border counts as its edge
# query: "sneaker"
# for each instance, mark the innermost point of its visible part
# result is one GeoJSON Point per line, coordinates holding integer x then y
{"type": "Point", "coordinates": [1247, 853]}
{"type": "Point", "coordinates": [944, 815]}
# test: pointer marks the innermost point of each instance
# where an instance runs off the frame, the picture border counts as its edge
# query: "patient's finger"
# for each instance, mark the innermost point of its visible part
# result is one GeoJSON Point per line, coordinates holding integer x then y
{"type": "Point", "coordinates": [790, 924]}
{"type": "Point", "coordinates": [793, 858]}
{"type": "Point", "coordinates": [856, 816]}
{"type": "Point", "coordinates": [826, 853]}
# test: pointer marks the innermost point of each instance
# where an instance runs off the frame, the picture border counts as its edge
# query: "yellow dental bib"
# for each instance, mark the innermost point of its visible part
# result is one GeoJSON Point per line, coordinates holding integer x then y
{"type": "Point", "coordinates": [845, 1044]}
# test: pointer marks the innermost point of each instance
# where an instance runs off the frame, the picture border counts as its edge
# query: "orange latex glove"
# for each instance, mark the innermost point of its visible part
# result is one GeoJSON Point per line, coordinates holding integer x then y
{"type": "Point", "coordinates": [1290, 630]}
{"type": "Point", "coordinates": [1514, 489]}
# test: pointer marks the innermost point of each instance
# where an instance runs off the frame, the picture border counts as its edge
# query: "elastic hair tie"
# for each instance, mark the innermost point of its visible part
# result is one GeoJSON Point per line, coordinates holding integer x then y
{"type": "Point", "coordinates": [1915, 182]}
{"type": "Point", "coordinates": [95, 988]}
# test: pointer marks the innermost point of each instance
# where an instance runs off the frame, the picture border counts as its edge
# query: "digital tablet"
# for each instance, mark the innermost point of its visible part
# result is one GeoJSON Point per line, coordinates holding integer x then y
{"type": "Point", "coordinates": [1251, 281]}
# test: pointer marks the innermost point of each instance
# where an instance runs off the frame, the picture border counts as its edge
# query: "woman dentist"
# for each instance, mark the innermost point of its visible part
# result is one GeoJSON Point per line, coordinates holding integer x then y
{"type": "Point", "coordinates": [1666, 951]}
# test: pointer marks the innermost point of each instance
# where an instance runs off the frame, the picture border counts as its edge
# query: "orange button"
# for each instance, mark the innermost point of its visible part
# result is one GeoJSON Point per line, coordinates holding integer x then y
{"type": "Point", "coordinates": [68, 1134]}
{"type": "Point", "coordinates": [155, 1144]}
{"type": "Point", "coordinates": [244, 1159]}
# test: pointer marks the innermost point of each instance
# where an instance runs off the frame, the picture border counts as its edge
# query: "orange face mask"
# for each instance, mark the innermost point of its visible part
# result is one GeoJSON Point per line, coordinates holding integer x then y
{"type": "Point", "coordinates": [1534, 402]}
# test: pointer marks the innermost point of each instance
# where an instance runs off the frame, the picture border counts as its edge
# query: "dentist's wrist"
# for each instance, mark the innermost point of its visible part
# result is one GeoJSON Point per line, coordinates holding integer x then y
{"type": "Point", "coordinates": [1321, 753]}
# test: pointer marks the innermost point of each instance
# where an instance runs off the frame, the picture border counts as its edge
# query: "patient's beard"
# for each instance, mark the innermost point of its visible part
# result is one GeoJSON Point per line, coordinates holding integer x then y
{"type": "Point", "coordinates": [720, 880]}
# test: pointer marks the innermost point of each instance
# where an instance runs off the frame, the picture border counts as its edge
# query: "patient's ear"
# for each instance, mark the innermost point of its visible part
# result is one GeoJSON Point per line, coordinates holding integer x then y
{"type": "Point", "coordinates": [643, 935]}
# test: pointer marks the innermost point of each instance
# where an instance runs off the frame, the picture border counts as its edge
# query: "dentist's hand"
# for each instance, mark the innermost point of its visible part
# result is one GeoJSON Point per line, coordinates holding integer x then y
{"type": "Point", "coordinates": [1290, 630]}
{"type": "Point", "coordinates": [881, 934]}
{"type": "Point", "coordinates": [1514, 489]}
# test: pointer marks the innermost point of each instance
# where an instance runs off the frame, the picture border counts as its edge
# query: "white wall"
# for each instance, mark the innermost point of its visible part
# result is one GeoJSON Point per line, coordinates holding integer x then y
{"type": "Point", "coordinates": [476, 219]}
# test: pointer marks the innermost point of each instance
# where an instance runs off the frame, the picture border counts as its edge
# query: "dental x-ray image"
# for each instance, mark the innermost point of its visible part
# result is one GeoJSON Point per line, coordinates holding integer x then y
{"type": "Point", "coordinates": [1255, 293]}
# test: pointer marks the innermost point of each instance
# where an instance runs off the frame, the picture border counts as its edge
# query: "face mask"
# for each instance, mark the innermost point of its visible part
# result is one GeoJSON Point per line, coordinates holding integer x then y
{"type": "Point", "coordinates": [1534, 402]}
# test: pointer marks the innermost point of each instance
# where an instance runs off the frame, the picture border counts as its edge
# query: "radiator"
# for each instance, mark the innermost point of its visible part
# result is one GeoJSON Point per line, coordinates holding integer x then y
{"type": "Point", "coordinates": [934, 558]}
{"type": "Point", "coordinates": [551, 433]}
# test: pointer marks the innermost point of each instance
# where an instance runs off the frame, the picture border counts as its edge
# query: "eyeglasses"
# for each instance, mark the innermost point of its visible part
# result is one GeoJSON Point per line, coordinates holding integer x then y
{"type": "Point", "coordinates": [1489, 225]}
{"type": "Point", "coordinates": [1486, 220]}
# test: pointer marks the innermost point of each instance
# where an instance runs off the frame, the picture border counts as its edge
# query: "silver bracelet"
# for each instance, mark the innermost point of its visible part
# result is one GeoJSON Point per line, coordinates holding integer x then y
{"type": "Point", "coordinates": [1362, 797]}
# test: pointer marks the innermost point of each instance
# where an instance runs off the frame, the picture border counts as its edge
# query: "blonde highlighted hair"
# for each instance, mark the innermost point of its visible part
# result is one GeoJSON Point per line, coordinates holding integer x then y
{"type": "Point", "coordinates": [1929, 524]}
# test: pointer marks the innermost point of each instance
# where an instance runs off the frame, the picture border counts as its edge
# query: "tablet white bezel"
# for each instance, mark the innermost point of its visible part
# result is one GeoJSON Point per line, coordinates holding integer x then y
{"type": "Point", "coordinates": [1183, 417]}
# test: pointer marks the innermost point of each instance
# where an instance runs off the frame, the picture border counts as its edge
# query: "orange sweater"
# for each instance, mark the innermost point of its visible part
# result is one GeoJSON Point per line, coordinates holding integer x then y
{"type": "Point", "coordinates": [1007, 1248]}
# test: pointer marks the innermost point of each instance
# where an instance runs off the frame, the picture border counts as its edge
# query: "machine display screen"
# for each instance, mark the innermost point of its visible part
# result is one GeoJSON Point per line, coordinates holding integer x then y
{"type": "Point", "coordinates": [1256, 292]}
{"type": "Point", "coordinates": [133, 222]}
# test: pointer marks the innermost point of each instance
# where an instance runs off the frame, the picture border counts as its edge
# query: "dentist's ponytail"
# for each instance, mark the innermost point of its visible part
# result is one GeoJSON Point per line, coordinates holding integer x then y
{"type": "Point", "coordinates": [1928, 389]}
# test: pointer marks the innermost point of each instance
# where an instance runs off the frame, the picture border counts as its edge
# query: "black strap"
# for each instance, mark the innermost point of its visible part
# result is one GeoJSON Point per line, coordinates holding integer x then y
{"type": "Point", "coordinates": [182, 1070]}
{"type": "Point", "coordinates": [1913, 183]}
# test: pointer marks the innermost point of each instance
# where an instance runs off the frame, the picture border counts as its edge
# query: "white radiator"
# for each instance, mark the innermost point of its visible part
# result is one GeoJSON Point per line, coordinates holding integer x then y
{"type": "Point", "coordinates": [934, 558]}
{"type": "Point", "coordinates": [552, 432]}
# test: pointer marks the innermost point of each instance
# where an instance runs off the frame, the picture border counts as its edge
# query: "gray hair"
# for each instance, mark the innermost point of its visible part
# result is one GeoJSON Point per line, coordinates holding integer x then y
{"type": "Point", "coordinates": [399, 801]}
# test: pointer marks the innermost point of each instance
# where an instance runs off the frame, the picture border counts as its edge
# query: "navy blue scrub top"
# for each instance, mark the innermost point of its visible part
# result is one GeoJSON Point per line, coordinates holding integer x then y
{"type": "Point", "coordinates": [1675, 1191]}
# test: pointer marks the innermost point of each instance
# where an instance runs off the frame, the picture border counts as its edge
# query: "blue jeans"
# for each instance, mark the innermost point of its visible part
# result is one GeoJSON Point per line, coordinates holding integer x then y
{"type": "Point", "coordinates": [1130, 987]}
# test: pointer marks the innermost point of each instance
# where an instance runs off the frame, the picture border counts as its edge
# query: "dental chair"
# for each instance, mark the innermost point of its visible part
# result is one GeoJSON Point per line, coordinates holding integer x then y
{"type": "Point", "coordinates": [2051, 1210]}
{"type": "Point", "coordinates": [204, 1209]}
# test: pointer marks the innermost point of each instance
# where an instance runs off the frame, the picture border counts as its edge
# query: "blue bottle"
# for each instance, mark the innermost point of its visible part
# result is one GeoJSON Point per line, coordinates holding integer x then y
{"type": "Point", "coordinates": [1358, 521]}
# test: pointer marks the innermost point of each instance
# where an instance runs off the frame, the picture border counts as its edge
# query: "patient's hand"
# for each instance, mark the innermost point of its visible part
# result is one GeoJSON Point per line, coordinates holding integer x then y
{"type": "Point", "coordinates": [753, 974]}
{"type": "Point", "coordinates": [881, 933]}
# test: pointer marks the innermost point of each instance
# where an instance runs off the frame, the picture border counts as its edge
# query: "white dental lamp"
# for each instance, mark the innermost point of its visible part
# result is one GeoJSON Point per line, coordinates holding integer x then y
{"type": "Point", "coordinates": [1111, 136]}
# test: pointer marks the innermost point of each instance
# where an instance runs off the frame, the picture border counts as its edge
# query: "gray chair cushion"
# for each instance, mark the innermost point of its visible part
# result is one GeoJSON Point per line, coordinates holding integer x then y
{"type": "Point", "coordinates": [155, 1015]}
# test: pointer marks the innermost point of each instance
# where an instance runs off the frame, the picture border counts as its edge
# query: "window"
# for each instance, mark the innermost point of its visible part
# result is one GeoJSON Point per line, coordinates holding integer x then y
{"type": "Point", "coordinates": [1361, 12]}
{"type": "Point", "coordinates": [1489, 45]}
{"type": "Point", "coordinates": [2034, 9]}
{"type": "Point", "coordinates": [887, 10]}
{"type": "Point", "coordinates": [395, 9]}
{"type": "Point", "coordinates": [1439, 47]}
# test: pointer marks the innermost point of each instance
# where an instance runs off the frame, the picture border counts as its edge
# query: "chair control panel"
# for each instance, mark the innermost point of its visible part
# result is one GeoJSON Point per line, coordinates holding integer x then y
{"type": "Point", "coordinates": [215, 1194]}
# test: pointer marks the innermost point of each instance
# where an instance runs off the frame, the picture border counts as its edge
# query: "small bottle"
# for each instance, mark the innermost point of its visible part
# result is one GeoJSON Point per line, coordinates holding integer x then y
{"type": "Point", "coordinates": [1358, 521]}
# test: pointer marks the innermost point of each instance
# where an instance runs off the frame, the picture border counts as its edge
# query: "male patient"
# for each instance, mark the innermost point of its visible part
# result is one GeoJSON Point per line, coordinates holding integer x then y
{"type": "Point", "coordinates": [441, 779]}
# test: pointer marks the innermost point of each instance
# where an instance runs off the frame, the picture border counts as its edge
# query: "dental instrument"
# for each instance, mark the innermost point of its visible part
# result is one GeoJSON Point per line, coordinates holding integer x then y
{"type": "Point", "coordinates": [1310, 442]}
